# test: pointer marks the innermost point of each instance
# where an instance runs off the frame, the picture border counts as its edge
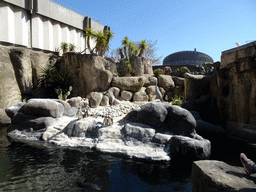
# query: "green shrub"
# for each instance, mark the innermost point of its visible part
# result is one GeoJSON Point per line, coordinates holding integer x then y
{"type": "Point", "coordinates": [51, 79]}
{"type": "Point", "coordinates": [177, 100]}
{"type": "Point", "coordinates": [158, 72]}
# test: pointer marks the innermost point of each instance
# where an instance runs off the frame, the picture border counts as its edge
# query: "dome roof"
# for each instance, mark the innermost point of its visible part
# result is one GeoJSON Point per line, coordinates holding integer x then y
{"type": "Point", "coordinates": [187, 58]}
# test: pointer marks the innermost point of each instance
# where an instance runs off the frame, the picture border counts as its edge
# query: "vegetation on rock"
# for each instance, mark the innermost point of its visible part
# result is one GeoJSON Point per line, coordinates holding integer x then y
{"type": "Point", "coordinates": [177, 100]}
{"type": "Point", "coordinates": [158, 72]}
{"type": "Point", "coordinates": [51, 79]}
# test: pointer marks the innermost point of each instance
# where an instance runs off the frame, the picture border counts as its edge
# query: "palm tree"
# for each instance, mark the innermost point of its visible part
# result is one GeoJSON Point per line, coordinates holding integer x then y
{"type": "Point", "coordinates": [64, 47]}
{"type": "Point", "coordinates": [125, 43]}
{"type": "Point", "coordinates": [72, 47]}
{"type": "Point", "coordinates": [131, 49]}
{"type": "Point", "coordinates": [101, 43]}
{"type": "Point", "coordinates": [89, 34]}
{"type": "Point", "coordinates": [108, 35]}
{"type": "Point", "coordinates": [120, 52]}
{"type": "Point", "coordinates": [143, 46]}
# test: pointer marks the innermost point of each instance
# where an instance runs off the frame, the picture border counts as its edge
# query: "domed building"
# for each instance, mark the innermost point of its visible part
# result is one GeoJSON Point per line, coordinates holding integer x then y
{"type": "Point", "coordinates": [187, 58]}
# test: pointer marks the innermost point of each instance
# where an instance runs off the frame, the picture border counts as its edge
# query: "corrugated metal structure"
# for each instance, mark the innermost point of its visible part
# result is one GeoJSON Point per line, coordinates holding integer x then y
{"type": "Point", "coordinates": [187, 58]}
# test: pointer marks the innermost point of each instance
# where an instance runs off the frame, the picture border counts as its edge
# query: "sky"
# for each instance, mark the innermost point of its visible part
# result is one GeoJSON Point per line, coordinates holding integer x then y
{"type": "Point", "coordinates": [210, 26]}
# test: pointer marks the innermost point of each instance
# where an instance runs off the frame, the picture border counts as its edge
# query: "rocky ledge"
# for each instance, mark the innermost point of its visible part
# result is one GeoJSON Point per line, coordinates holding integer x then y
{"type": "Point", "coordinates": [210, 175]}
{"type": "Point", "coordinates": [153, 131]}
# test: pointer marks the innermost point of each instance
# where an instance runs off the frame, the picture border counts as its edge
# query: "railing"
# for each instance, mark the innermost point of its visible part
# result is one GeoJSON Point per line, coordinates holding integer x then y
{"type": "Point", "coordinates": [73, 9]}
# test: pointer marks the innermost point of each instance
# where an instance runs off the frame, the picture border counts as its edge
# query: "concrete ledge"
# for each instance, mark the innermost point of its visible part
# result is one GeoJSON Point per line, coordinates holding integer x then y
{"type": "Point", "coordinates": [218, 176]}
{"type": "Point", "coordinates": [231, 55]}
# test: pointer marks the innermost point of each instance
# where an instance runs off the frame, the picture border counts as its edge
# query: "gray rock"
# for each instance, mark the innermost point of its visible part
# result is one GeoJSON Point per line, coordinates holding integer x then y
{"type": "Point", "coordinates": [152, 114]}
{"type": "Point", "coordinates": [115, 102]}
{"type": "Point", "coordinates": [43, 108]}
{"type": "Point", "coordinates": [75, 102]}
{"type": "Point", "coordinates": [70, 112]}
{"type": "Point", "coordinates": [194, 149]}
{"type": "Point", "coordinates": [10, 111]}
{"type": "Point", "coordinates": [140, 95]}
{"type": "Point", "coordinates": [82, 128]}
{"type": "Point", "coordinates": [214, 175]}
{"type": "Point", "coordinates": [179, 121]}
{"type": "Point", "coordinates": [104, 101]}
{"type": "Point", "coordinates": [166, 82]}
{"type": "Point", "coordinates": [161, 138]}
{"type": "Point", "coordinates": [126, 95]}
{"type": "Point", "coordinates": [137, 131]}
{"type": "Point", "coordinates": [167, 70]}
{"type": "Point", "coordinates": [133, 84]}
{"type": "Point", "coordinates": [178, 81]}
{"type": "Point", "coordinates": [39, 123]}
{"type": "Point", "coordinates": [115, 91]}
{"type": "Point", "coordinates": [142, 65]}
{"type": "Point", "coordinates": [95, 99]}
{"type": "Point", "coordinates": [18, 118]}
{"type": "Point", "coordinates": [149, 80]}
{"type": "Point", "coordinates": [196, 85]}
{"type": "Point", "coordinates": [203, 126]}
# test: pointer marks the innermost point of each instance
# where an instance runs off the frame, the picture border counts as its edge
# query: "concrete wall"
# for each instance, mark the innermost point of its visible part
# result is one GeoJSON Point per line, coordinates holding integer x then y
{"type": "Point", "coordinates": [43, 24]}
{"type": "Point", "coordinates": [232, 55]}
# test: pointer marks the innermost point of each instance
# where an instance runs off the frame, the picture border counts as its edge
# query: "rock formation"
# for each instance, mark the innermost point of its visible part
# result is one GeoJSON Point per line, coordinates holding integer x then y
{"type": "Point", "coordinates": [219, 176]}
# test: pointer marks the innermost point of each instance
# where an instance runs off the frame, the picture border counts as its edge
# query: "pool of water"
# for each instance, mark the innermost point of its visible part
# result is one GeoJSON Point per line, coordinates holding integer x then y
{"type": "Point", "coordinates": [51, 168]}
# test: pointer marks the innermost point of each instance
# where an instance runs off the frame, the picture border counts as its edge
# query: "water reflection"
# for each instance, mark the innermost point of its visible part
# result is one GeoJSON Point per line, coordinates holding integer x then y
{"type": "Point", "coordinates": [51, 168]}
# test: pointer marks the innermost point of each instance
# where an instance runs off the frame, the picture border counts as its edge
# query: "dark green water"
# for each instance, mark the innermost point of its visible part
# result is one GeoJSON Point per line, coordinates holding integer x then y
{"type": "Point", "coordinates": [51, 168]}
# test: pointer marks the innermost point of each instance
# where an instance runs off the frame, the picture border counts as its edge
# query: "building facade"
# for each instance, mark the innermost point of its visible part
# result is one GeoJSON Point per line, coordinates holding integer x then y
{"type": "Point", "coordinates": [43, 25]}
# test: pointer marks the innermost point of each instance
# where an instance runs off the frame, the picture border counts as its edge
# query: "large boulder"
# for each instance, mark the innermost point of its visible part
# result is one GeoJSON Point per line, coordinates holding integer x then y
{"type": "Point", "coordinates": [196, 85]}
{"type": "Point", "coordinates": [142, 65]}
{"type": "Point", "coordinates": [166, 82]}
{"type": "Point", "coordinates": [88, 72]}
{"type": "Point", "coordinates": [20, 58]}
{"type": "Point", "coordinates": [194, 148]}
{"type": "Point", "coordinates": [10, 93]}
{"type": "Point", "coordinates": [233, 93]}
{"type": "Point", "coordinates": [179, 121]}
{"type": "Point", "coordinates": [43, 108]}
{"type": "Point", "coordinates": [152, 114]}
{"type": "Point", "coordinates": [141, 95]}
{"type": "Point", "coordinates": [170, 118]}
{"type": "Point", "coordinates": [211, 175]}
{"type": "Point", "coordinates": [133, 84]}
{"type": "Point", "coordinates": [95, 99]}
